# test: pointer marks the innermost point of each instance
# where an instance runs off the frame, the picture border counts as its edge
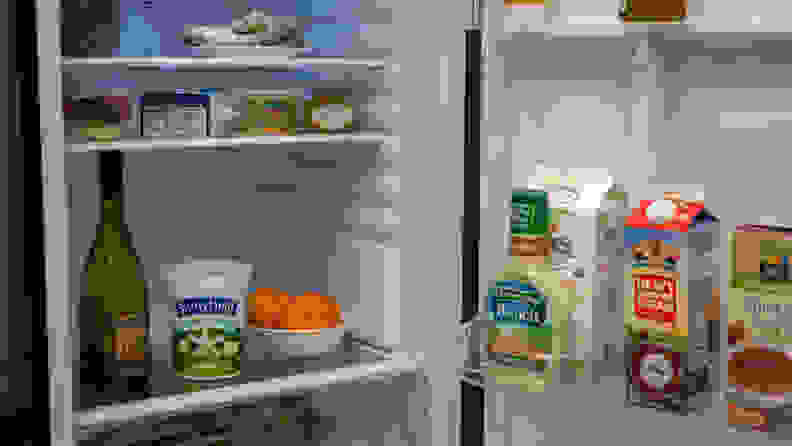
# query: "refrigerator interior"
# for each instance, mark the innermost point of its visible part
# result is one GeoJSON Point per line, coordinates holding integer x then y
{"type": "Point", "coordinates": [699, 115]}
{"type": "Point", "coordinates": [308, 218]}
{"type": "Point", "coordinates": [376, 226]}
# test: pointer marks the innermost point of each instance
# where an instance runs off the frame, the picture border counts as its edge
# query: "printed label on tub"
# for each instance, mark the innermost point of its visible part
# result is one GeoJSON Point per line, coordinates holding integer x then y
{"type": "Point", "coordinates": [520, 303]}
{"type": "Point", "coordinates": [208, 305]}
{"type": "Point", "coordinates": [207, 337]}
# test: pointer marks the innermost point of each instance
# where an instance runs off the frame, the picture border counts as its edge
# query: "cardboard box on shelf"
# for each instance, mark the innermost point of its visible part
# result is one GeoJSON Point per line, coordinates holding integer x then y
{"type": "Point", "coordinates": [760, 323]}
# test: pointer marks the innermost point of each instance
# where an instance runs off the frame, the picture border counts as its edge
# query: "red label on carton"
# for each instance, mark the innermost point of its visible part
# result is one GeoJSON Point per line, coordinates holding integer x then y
{"type": "Point", "coordinates": [655, 298]}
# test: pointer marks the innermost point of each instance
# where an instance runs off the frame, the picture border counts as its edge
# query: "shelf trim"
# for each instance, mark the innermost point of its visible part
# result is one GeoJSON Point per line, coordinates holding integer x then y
{"type": "Point", "coordinates": [233, 142]}
{"type": "Point", "coordinates": [590, 26]}
{"type": "Point", "coordinates": [89, 422]}
{"type": "Point", "coordinates": [229, 62]}
{"type": "Point", "coordinates": [56, 226]}
{"type": "Point", "coordinates": [750, 398]}
{"type": "Point", "coordinates": [781, 348]}
{"type": "Point", "coordinates": [504, 362]}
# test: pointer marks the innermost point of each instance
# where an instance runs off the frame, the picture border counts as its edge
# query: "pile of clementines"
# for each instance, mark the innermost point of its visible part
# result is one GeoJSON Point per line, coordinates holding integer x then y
{"type": "Point", "coordinates": [272, 308]}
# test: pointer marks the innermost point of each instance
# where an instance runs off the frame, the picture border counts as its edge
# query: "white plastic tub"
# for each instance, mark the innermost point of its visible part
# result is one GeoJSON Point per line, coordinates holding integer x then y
{"type": "Point", "coordinates": [199, 321]}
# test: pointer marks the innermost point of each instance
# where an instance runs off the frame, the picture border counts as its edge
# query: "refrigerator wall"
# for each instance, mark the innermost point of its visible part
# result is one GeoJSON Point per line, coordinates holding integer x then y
{"type": "Point", "coordinates": [426, 88]}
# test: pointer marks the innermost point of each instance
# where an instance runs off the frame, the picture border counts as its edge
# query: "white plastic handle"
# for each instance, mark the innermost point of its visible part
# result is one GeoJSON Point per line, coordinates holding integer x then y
{"type": "Point", "coordinates": [213, 281]}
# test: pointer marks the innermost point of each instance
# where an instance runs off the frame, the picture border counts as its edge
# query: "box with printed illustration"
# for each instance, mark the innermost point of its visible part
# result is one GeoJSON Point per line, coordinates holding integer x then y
{"type": "Point", "coordinates": [760, 328]}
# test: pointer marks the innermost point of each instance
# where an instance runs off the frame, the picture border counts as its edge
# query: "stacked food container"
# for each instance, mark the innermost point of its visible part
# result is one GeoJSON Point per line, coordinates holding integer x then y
{"type": "Point", "coordinates": [210, 112]}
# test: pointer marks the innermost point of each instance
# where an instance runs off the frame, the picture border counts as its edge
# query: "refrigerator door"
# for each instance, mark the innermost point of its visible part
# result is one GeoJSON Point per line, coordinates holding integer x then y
{"type": "Point", "coordinates": [514, 140]}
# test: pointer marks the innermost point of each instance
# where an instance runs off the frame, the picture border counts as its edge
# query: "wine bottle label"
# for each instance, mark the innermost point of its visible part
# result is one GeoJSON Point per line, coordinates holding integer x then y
{"type": "Point", "coordinates": [207, 338]}
{"type": "Point", "coordinates": [129, 337]}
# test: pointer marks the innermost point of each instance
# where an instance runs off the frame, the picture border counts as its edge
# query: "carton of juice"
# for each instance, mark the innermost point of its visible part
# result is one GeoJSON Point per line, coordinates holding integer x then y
{"type": "Point", "coordinates": [672, 306]}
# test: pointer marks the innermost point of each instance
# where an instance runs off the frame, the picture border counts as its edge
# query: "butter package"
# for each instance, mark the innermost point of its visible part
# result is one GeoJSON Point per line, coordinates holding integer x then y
{"type": "Point", "coordinates": [672, 303]}
{"type": "Point", "coordinates": [240, 112]}
{"type": "Point", "coordinates": [268, 114]}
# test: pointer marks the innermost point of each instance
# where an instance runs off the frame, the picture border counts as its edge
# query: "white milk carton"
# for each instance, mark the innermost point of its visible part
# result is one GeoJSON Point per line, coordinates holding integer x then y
{"type": "Point", "coordinates": [588, 245]}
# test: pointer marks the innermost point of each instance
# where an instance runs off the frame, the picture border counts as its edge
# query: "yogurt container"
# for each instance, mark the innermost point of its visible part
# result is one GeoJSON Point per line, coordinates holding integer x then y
{"type": "Point", "coordinates": [206, 316]}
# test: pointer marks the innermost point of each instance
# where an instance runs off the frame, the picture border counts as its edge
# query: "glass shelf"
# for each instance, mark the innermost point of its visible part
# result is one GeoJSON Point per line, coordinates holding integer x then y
{"type": "Point", "coordinates": [262, 378]}
{"type": "Point", "coordinates": [233, 142]}
{"type": "Point", "coordinates": [241, 62]}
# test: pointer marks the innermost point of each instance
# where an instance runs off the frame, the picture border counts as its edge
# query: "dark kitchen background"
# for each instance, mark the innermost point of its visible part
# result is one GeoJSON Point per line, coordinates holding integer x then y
{"type": "Point", "coordinates": [24, 345]}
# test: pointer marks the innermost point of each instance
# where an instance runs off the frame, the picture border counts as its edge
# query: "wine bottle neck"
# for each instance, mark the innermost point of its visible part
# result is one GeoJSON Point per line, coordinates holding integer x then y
{"type": "Point", "coordinates": [112, 212]}
{"type": "Point", "coordinates": [111, 174]}
{"type": "Point", "coordinates": [111, 177]}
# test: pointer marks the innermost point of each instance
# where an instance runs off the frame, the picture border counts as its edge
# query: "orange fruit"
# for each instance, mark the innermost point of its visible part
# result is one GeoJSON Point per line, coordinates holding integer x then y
{"type": "Point", "coordinates": [272, 308]}
{"type": "Point", "coordinates": [267, 307]}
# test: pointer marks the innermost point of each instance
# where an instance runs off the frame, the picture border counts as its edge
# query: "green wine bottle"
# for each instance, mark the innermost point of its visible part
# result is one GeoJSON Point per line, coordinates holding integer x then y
{"type": "Point", "coordinates": [114, 324]}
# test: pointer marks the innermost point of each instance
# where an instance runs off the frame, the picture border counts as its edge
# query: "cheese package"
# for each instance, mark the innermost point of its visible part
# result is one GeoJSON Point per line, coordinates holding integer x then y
{"type": "Point", "coordinates": [328, 113]}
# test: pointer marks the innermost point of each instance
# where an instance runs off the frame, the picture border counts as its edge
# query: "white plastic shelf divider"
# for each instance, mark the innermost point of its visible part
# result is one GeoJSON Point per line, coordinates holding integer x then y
{"type": "Point", "coordinates": [106, 418]}
{"type": "Point", "coordinates": [156, 144]}
{"type": "Point", "coordinates": [242, 62]}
